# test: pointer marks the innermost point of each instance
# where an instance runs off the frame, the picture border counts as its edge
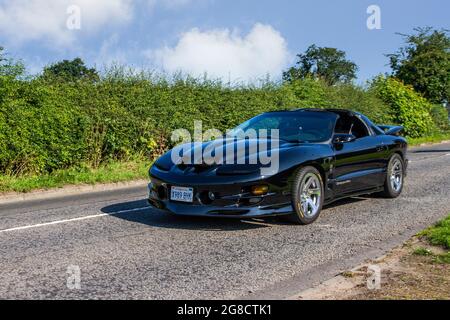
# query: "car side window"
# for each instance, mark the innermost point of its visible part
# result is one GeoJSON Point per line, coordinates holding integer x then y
{"type": "Point", "coordinates": [359, 129]}
{"type": "Point", "coordinates": [351, 125]}
{"type": "Point", "coordinates": [375, 129]}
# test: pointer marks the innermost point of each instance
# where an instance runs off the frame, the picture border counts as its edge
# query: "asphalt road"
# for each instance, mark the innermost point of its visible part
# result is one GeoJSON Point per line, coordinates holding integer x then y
{"type": "Point", "coordinates": [125, 250]}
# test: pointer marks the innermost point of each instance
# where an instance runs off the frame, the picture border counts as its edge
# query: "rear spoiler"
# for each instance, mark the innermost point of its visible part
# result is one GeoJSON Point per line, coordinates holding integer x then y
{"type": "Point", "coordinates": [391, 130]}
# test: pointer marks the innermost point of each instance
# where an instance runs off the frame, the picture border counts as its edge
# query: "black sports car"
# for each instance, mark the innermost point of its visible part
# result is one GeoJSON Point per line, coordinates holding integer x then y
{"type": "Point", "coordinates": [323, 155]}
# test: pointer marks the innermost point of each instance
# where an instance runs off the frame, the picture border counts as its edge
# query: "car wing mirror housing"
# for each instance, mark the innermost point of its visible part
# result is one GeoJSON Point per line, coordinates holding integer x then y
{"type": "Point", "coordinates": [341, 138]}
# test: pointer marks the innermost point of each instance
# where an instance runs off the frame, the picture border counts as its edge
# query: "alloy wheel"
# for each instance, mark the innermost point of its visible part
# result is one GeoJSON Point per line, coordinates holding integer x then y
{"type": "Point", "coordinates": [310, 197]}
{"type": "Point", "coordinates": [396, 175]}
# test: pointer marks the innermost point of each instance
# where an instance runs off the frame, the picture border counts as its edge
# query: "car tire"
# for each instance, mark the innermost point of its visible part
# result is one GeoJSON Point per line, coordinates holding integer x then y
{"type": "Point", "coordinates": [307, 196]}
{"type": "Point", "coordinates": [395, 175]}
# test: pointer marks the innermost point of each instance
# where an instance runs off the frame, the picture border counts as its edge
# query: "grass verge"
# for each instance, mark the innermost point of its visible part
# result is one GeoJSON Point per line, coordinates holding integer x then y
{"type": "Point", "coordinates": [435, 138]}
{"type": "Point", "coordinates": [418, 270]}
{"type": "Point", "coordinates": [422, 271]}
{"type": "Point", "coordinates": [438, 235]}
{"type": "Point", "coordinates": [109, 173]}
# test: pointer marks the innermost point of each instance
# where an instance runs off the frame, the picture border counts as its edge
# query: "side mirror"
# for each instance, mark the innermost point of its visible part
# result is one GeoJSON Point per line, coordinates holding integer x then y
{"type": "Point", "coordinates": [343, 138]}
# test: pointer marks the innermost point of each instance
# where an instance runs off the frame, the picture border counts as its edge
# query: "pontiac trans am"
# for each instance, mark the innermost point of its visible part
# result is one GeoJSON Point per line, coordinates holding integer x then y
{"type": "Point", "coordinates": [323, 156]}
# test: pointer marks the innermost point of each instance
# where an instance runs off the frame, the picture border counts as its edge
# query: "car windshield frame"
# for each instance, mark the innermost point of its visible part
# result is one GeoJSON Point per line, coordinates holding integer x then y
{"type": "Point", "coordinates": [328, 119]}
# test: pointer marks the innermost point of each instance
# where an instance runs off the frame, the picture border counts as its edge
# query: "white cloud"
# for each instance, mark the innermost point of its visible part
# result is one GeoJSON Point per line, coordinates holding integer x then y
{"type": "Point", "coordinates": [25, 20]}
{"type": "Point", "coordinates": [226, 54]}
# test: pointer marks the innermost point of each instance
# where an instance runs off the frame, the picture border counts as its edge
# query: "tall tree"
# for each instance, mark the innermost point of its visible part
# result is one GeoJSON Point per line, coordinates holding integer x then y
{"type": "Point", "coordinates": [424, 63]}
{"type": "Point", "coordinates": [71, 71]}
{"type": "Point", "coordinates": [2, 58]}
{"type": "Point", "coordinates": [329, 64]}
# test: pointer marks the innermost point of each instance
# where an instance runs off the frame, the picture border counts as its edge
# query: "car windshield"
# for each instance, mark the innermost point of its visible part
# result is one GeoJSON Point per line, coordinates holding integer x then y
{"type": "Point", "coordinates": [295, 126]}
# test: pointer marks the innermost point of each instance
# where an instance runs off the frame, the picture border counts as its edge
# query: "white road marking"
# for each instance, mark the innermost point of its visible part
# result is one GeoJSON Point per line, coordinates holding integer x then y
{"type": "Point", "coordinates": [39, 225]}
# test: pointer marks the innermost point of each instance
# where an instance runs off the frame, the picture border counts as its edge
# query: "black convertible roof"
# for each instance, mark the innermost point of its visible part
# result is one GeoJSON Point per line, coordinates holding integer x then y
{"type": "Point", "coordinates": [337, 111]}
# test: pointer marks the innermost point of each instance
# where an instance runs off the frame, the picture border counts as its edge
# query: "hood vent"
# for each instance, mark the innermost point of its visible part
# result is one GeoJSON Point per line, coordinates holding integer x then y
{"type": "Point", "coordinates": [236, 170]}
{"type": "Point", "coordinates": [195, 168]}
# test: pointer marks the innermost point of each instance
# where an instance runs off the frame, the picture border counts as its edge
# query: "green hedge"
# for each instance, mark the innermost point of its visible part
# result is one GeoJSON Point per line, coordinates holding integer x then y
{"type": "Point", "coordinates": [47, 125]}
{"type": "Point", "coordinates": [408, 107]}
{"type": "Point", "coordinates": [439, 114]}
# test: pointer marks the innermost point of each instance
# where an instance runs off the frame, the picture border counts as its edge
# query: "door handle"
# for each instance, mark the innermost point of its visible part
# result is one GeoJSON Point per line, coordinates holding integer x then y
{"type": "Point", "coordinates": [381, 148]}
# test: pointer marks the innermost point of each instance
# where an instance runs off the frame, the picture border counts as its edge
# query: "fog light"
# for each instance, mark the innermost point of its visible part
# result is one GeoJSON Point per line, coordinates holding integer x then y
{"type": "Point", "coordinates": [259, 190]}
{"type": "Point", "coordinates": [162, 193]}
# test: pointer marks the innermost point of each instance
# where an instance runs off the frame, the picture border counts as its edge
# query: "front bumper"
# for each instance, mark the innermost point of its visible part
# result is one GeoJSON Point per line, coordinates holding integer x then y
{"type": "Point", "coordinates": [221, 212]}
{"type": "Point", "coordinates": [230, 201]}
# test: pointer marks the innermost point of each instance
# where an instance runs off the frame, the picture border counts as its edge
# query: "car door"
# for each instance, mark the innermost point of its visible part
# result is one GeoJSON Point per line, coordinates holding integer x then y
{"type": "Point", "coordinates": [358, 164]}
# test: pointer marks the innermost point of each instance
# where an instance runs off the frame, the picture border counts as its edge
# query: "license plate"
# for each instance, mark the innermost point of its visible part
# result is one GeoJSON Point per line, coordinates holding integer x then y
{"type": "Point", "coordinates": [182, 194]}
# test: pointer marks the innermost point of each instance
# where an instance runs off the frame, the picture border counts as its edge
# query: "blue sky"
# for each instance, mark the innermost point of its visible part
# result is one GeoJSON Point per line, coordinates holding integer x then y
{"type": "Point", "coordinates": [238, 40]}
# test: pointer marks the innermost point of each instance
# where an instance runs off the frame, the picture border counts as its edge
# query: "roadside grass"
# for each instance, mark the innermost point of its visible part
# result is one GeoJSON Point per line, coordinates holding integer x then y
{"type": "Point", "coordinates": [434, 138]}
{"type": "Point", "coordinates": [442, 258]}
{"type": "Point", "coordinates": [109, 173]}
{"type": "Point", "coordinates": [437, 235]}
{"type": "Point", "coordinates": [420, 270]}
{"type": "Point", "coordinates": [417, 270]}
{"type": "Point", "coordinates": [422, 252]}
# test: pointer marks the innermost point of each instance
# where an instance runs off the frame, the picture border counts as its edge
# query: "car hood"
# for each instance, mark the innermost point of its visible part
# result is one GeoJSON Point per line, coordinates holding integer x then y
{"type": "Point", "coordinates": [284, 153]}
{"type": "Point", "coordinates": [291, 155]}
{"type": "Point", "coordinates": [230, 151]}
